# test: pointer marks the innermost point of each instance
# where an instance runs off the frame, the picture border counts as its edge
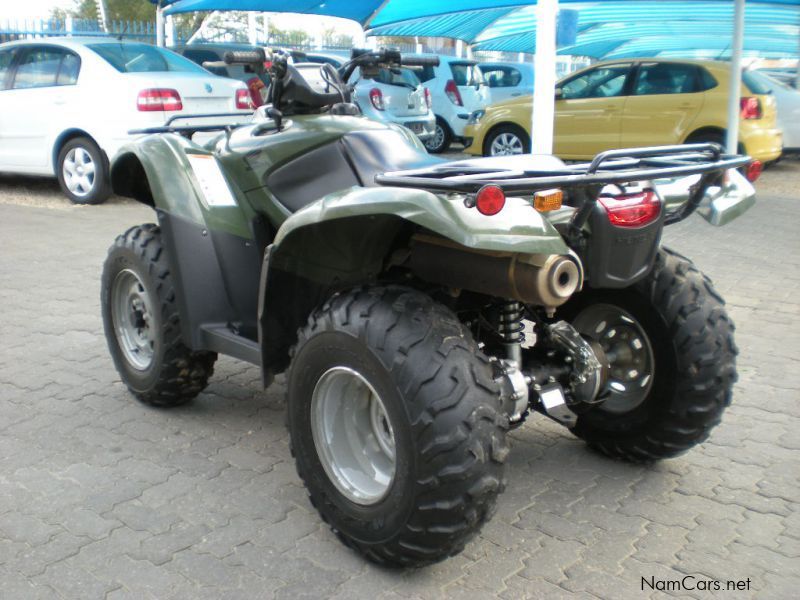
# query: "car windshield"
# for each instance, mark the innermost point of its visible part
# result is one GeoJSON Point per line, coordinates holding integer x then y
{"type": "Point", "coordinates": [401, 77]}
{"type": "Point", "coordinates": [466, 73]}
{"type": "Point", "coordinates": [142, 58]}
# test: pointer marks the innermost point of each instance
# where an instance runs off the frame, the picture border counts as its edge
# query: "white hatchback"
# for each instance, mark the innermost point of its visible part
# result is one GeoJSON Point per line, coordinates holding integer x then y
{"type": "Point", "coordinates": [66, 105]}
{"type": "Point", "coordinates": [457, 90]}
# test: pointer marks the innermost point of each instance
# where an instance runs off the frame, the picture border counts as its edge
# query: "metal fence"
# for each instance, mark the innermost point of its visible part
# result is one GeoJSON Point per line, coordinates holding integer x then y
{"type": "Point", "coordinates": [16, 29]}
{"type": "Point", "coordinates": [143, 31]}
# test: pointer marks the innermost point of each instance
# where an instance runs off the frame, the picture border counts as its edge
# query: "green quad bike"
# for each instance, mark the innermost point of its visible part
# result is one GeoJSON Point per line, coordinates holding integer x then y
{"type": "Point", "coordinates": [420, 308]}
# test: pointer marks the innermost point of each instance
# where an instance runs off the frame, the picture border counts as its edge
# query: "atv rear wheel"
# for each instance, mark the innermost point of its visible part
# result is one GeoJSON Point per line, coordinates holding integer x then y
{"type": "Point", "coordinates": [142, 324]}
{"type": "Point", "coordinates": [396, 425]}
{"type": "Point", "coordinates": [669, 344]}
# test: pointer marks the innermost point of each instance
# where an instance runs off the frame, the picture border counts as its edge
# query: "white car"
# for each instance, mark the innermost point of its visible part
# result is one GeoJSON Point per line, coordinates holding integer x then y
{"type": "Point", "coordinates": [67, 104]}
{"type": "Point", "coordinates": [457, 90]}
{"type": "Point", "coordinates": [507, 80]}
{"type": "Point", "coordinates": [787, 100]}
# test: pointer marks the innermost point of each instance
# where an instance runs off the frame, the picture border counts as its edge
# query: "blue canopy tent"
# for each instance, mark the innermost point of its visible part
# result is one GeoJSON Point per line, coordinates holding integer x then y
{"type": "Point", "coordinates": [490, 24]}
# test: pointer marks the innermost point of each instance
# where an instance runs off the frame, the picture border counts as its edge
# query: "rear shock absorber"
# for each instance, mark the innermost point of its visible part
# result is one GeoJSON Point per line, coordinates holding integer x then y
{"type": "Point", "coordinates": [512, 330]}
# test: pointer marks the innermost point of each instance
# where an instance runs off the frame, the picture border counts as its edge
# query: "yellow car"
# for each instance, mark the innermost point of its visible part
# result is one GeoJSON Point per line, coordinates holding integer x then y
{"type": "Point", "coordinates": [627, 103]}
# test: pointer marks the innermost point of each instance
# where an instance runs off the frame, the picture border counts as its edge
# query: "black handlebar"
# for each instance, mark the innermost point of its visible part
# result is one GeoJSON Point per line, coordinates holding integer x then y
{"type": "Point", "coordinates": [244, 57]}
{"type": "Point", "coordinates": [419, 61]}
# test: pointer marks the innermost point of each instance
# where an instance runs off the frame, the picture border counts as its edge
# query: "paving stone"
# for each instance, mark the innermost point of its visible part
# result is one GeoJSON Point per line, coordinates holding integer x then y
{"type": "Point", "coordinates": [103, 497]}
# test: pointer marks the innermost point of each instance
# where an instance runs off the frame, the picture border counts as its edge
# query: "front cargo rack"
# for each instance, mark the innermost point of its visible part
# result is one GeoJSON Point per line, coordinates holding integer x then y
{"type": "Point", "coordinates": [613, 166]}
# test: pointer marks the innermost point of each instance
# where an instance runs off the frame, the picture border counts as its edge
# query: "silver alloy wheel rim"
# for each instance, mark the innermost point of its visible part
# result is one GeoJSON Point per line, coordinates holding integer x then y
{"type": "Point", "coordinates": [506, 144]}
{"type": "Point", "coordinates": [132, 318]}
{"type": "Point", "coordinates": [353, 435]}
{"type": "Point", "coordinates": [437, 140]}
{"type": "Point", "coordinates": [629, 353]}
{"type": "Point", "coordinates": [79, 171]}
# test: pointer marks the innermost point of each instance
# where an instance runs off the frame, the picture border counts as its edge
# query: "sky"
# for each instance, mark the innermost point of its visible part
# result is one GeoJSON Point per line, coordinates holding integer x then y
{"type": "Point", "coordinates": [30, 8]}
{"type": "Point", "coordinates": [15, 9]}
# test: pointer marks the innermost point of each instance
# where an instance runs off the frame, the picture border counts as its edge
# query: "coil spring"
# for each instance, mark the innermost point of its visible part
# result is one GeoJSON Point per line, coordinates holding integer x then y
{"type": "Point", "coordinates": [510, 326]}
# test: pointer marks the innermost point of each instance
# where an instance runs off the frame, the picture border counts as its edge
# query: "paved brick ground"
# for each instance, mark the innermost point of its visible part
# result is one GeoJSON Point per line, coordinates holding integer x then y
{"type": "Point", "coordinates": [101, 497]}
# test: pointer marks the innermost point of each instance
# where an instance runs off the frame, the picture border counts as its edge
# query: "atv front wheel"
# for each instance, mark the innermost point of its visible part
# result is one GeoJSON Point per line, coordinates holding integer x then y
{"type": "Point", "coordinates": [142, 324]}
{"type": "Point", "coordinates": [671, 356]}
{"type": "Point", "coordinates": [395, 425]}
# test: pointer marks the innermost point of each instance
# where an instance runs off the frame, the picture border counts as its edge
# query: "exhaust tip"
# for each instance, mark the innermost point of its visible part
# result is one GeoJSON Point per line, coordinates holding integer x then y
{"type": "Point", "coordinates": [564, 278]}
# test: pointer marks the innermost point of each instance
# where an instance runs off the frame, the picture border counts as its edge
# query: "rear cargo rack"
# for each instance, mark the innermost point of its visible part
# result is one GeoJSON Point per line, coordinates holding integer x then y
{"type": "Point", "coordinates": [613, 166]}
{"type": "Point", "coordinates": [189, 130]}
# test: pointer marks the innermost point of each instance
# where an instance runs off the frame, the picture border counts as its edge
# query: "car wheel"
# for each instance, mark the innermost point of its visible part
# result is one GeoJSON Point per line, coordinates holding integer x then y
{"type": "Point", "coordinates": [83, 172]}
{"type": "Point", "coordinates": [441, 139]}
{"type": "Point", "coordinates": [507, 140]}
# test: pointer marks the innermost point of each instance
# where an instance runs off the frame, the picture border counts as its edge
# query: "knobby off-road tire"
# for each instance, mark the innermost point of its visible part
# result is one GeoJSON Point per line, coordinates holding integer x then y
{"type": "Point", "coordinates": [442, 407]}
{"type": "Point", "coordinates": [168, 373]}
{"type": "Point", "coordinates": [691, 337]}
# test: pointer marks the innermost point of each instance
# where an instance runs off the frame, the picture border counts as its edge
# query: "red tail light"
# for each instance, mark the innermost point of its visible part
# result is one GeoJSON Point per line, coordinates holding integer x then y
{"type": "Point", "coordinates": [451, 89]}
{"type": "Point", "coordinates": [244, 100]}
{"type": "Point", "coordinates": [490, 200]}
{"type": "Point", "coordinates": [632, 210]}
{"type": "Point", "coordinates": [428, 99]}
{"type": "Point", "coordinates": [754, 170]}
{"type": "Point", "coordinates": [159, 99]}
{"type": "Point", "coordinates": [376, 97]}
{"type": "Point", "coordinates": [750, 108]}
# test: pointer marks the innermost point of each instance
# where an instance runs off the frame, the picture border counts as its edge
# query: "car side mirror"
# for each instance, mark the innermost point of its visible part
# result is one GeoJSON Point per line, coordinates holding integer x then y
{"type": "Point", "coordinates": [559, 94]}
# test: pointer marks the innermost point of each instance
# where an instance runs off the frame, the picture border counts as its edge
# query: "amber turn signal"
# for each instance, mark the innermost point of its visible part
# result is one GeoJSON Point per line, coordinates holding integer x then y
{"type": "Point", "coordinates": [548, 200]}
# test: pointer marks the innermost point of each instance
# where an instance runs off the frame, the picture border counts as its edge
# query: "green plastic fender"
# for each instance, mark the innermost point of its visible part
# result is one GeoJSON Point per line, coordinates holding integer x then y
{"type": "Point", "coordinates": [339, 236]}
{"type": "Point", "coordinates": [173, 186]}
{"type": "Point", "coordinates": [345, 238]}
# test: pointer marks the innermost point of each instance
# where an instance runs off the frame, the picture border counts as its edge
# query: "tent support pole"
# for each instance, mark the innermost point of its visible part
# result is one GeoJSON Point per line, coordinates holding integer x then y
{"type": "Point", "coordinates": [735, 90]}
{"type": "Point", "coordinates": [544, 84]}
{"type": "Point", "coordinates": [161, 26]}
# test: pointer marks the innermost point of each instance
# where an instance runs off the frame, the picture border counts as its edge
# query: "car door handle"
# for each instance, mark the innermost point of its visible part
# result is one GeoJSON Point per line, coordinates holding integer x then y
{"type": "Point", "coordinates": [517, 94]}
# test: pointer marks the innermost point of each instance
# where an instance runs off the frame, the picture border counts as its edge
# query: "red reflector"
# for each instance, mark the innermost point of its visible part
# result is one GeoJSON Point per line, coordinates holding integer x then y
{"type": "Point", "coordinates": [159, 99]}
{"type": "Point", "coordinates": [428, 99]}
{"type": "Point", "coordinates": [376, 97]}
{"type": "Point", "coordinates": [490, 200]}
{"type": "Point", "coordinates": [244, 101]}
{"type": "Point", "coordinates": [632, 210]}
{"type": "Point", "coordinates": [750, 108]}
{"type": "Point", "coordinates": [754, 170]}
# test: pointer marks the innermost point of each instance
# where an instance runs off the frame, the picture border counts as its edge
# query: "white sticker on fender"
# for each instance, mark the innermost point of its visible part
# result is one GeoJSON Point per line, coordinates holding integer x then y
{"type": "Point", "coordinates": [212, 182]}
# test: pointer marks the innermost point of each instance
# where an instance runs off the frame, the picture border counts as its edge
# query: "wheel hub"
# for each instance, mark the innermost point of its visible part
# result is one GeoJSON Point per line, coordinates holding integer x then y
{"type": "Point", "coordinates": [628, 352]}
{"type": "Point", "coordinates": [353, 435]}
{"type": "Point", "coordinates": [132, 317]}
{"type": "Point", "coordinates": [506, 144]}
{"type": "Point", "coordinates": [78, 170]}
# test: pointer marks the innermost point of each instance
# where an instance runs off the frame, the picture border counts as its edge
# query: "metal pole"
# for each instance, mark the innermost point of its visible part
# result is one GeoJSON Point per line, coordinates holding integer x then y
{"type": "Point", "coordinates": [735, 89]}
{"type": "Point", "coordinates": [544, 84]}
{"type": "Point", "coordinates": [160, 27]}
{"type": "Point", "coordinates": [797, 78]}
{"type": "Point", "coordinates": [252, 28]}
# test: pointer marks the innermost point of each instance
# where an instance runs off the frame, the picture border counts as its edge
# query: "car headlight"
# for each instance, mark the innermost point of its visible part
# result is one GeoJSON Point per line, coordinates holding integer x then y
{"type": "Point", "coordinates": [475, 117]}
